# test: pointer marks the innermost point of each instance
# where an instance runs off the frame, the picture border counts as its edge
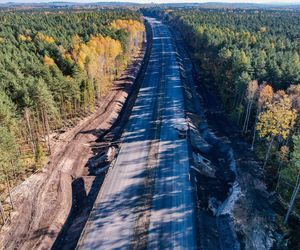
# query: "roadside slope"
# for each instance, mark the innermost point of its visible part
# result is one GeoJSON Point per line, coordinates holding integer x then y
{"type": "Point", "coordinates": [244, 217]}
{"type": "Point", "coordinates": [44, 200]}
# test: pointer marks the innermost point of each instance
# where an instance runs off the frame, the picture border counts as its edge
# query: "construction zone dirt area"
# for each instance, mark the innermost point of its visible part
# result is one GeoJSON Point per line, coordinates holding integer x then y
{"type": "Point", "coordinates": [64, 191]}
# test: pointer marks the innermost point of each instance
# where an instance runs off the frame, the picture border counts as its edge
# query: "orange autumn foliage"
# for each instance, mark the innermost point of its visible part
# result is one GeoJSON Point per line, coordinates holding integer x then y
{"type": "Point", "coordinates": [48, 61]}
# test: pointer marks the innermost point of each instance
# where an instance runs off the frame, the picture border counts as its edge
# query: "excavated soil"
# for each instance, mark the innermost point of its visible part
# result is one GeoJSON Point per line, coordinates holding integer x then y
{"type": "Point", "coordinates": [45, 202]}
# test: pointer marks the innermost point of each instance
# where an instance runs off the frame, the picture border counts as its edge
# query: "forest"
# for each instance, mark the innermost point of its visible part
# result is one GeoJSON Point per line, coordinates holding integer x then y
{"type": "Point", "coordinates": [54, 69]}
{"type": "Point", "coordinates": [252, 58]}
{"type": "Point", "coordinates": [57, 65]}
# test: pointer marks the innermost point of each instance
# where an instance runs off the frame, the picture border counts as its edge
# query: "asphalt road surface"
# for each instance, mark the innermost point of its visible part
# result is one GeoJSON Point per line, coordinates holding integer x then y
{"type": "Point", "coordinates": [159, 106]}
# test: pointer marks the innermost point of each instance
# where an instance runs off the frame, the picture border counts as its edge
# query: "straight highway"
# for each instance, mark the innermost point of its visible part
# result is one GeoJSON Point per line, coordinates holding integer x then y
{"type": "Point", "coordinates": [158, 108]}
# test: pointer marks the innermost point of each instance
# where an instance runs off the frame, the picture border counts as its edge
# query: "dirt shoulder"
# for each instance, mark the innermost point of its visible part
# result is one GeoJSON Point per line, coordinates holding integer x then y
{"type": "Point", "coordinates": [43, 201]}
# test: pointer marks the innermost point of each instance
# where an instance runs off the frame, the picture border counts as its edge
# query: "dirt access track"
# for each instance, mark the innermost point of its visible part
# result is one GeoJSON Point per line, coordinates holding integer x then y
{"type": "Point", "coordinates": [43, 202]}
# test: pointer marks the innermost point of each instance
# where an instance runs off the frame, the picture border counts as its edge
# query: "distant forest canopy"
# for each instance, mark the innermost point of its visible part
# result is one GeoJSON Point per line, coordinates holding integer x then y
{"type": "Point", "coordinates": [252, 58]}
{"type": "Point", "coordinates": [54, 69]}
{"type": "Point", "coordinates": [269, 41]}
{"type": "Point", "coordinates": [266, 43]}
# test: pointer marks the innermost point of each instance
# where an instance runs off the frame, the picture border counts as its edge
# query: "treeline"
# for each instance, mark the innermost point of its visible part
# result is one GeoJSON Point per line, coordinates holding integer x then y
{"type": "Point", "coordinates": [54, 69]}
{"type": "Point", "coordinates": [252, 58]}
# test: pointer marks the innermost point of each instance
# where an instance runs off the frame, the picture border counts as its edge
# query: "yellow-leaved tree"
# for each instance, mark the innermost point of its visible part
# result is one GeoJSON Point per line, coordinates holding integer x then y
{"type": "Point", "coordinates": [48, 61]}
{"type": "Point", "coordinates": [277, 120]}
{"type": "Point", "coordinates": [24, 38]}
{"type": "Point", "coordinates": [265, 96]}
{"type": "Point", "coordinates": [98, 58]}
{"type": "Point", "coordinates": [134, 28]}
{"type": "Point", "coordinates": [44, 38]}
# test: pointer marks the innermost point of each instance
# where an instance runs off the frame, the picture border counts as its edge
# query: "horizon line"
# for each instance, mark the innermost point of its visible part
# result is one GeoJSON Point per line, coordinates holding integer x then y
{"type": "Point", "coordinates": [153, 2]}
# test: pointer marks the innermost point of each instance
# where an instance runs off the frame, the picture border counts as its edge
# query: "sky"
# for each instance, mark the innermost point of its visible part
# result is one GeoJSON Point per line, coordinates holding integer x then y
{"type": "Point", "coordinates": [156, 1]}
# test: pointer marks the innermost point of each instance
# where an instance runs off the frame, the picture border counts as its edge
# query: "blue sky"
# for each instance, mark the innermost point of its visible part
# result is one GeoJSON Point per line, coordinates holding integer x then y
{"type": "Point", "coordinates": [158, 1]}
